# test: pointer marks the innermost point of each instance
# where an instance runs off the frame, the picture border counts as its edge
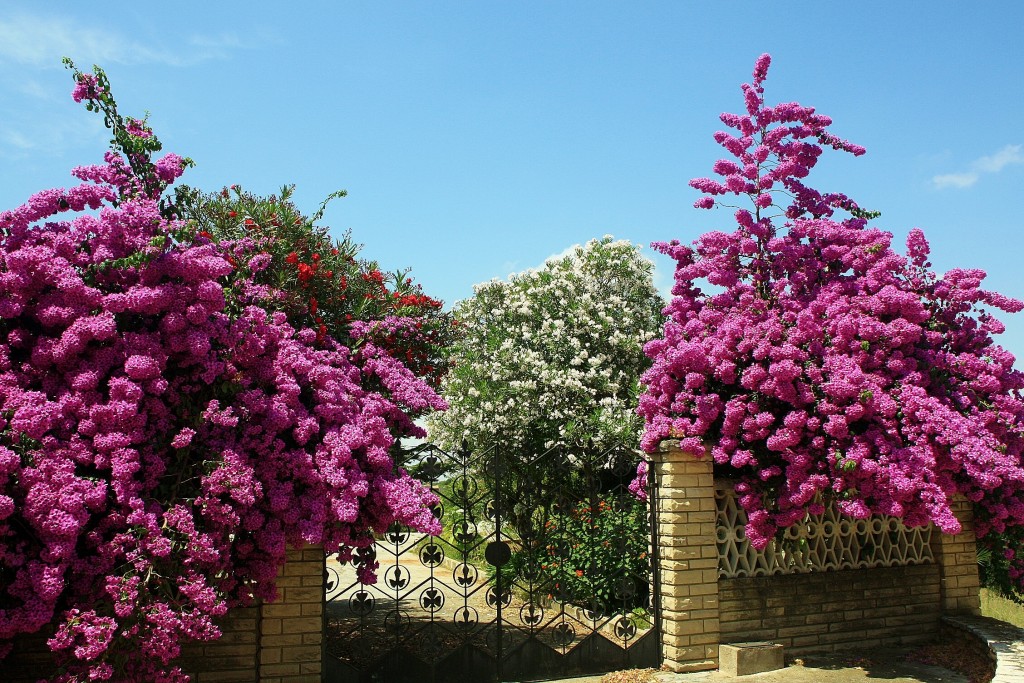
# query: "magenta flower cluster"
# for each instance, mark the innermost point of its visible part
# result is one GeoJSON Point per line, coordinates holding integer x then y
{"type": "Point", "coordinates": [811, 358]}
{"type": "Point", "coordinates": [162, 441]}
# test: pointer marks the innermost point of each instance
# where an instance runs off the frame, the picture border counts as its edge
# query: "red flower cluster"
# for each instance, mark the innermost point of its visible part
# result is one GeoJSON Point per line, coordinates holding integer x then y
{"type": "Point", "coordinates": [320, 284]}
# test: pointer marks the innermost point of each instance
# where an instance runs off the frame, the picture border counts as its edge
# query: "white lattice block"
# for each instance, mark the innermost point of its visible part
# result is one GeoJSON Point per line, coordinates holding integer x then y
{"type": "Point", "coordinates": [825, 542]}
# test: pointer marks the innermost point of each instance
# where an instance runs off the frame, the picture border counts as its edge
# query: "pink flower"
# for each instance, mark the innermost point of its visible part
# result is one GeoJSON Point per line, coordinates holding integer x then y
{"type": "Point", "coordinates": [761, 68]}
{"type": "Point", "coordinates": [183, 438]}
{"type": "Point", "coordinates": [141, 367]}
{"type": "Point", "coordinates": [86, 88]}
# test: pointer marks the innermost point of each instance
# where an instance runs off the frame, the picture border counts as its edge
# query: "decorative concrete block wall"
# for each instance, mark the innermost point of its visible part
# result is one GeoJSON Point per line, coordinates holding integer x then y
{"type": "Point", "coordinates": [29, 660]}
{"type": "Point", "coordinates": [880, 583]}
{"type": "Point", "coordinates": [278, 642]}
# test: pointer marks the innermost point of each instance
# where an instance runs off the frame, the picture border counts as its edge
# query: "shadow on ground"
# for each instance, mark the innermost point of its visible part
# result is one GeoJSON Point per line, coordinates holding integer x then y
{"type": "Point", "coordinates": [888, 665]}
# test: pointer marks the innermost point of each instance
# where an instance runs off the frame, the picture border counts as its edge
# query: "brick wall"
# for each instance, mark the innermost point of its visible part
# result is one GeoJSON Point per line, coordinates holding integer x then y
{"type": "Point", "coordinates": [817, 611]}
{"type": "Point", "coordinates": [688, 560]}
{"type": "Point", "coordinates": [957, 556]}
{"type": "Point", "coordinates": [291, 629]}
{"type": "Point", "coordinates": [230, 659]}
{"type": "Point", "coordinates": [823, 611]}
{"type": "Point", "coordinates": [278, 642]}
{"type": "Point", "coordinates": [29, 661]}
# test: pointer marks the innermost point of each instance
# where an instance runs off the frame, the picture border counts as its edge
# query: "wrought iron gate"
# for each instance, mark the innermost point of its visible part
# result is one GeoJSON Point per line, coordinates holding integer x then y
{"type": "Point", "coordinates": [544, 568]}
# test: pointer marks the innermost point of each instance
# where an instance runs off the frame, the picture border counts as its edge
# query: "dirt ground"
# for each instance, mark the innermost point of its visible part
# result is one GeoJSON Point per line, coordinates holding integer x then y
{"type": "Point", "coordinates": [877, 666]}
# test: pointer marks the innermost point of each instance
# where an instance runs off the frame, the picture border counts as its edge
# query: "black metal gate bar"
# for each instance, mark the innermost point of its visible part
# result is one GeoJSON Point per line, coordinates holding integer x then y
{"type": "Point", "coordinates": [544, 569]}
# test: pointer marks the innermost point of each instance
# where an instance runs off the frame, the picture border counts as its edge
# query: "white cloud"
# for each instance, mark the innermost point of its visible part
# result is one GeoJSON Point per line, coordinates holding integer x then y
{"type": "Point", "coordinates": [31, 47]}
{"type": "Point", "coordinates": [1011, 154]}
{"type": "Point", "coordinates": [955, 180]}
{"type": "Point", "coordinates": [49, 136]}
{"type": "Point", "coordinates": [16, 139]}
{"type": "Point", "coordinates": [993, 163]}
{"type": "Point", "coordinates": [41, 41]}
{"type": "Point", "coordinates": [37, 90]}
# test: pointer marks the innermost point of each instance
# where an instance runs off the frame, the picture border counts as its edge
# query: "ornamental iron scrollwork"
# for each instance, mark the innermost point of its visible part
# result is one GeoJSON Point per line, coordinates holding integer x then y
{"type": "Point", "coordinates": [464, 532]}
{"type": "Point", "coordinates": [397, 534]}
{"type": "Point", "coordinates": [531, 614]}
{"type": "Point", "coordinates": [432, 599]}
{"type": "Point", "coordinates": [361, 603]}
{"type": "Point", "coordinates": [466, 617]}
{"type": "Point", "coordinates": [625, 628]}
{"type": "Point", "coordinates": [431, 555]}
{"type": "Point", "coordinates": [547, 548]}
{"type": "Point", "coordinates": [331, 580]}
{"type": "Point", "coordinates": [493, 597]}
{"type": "Point", "coordinates": [465, 575]}
{"type": "Point", "coordinates": [397, 577]}
{"type": "Point", "coordinates": [594, 610]}
{"type": "Point", "coordinates": [397, 623]}
{"type": "Point", "coordinates": [564, 634]}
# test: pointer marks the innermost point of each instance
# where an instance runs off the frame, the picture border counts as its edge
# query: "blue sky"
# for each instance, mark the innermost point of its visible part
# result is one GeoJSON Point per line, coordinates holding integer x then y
{"type": "Point", "coordinates": [477, 139]}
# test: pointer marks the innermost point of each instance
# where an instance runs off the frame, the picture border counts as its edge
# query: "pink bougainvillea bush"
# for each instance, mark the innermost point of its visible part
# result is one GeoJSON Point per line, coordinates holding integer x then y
{"type": "Point", "coordinates": [164, 438]}
{"type": "Point", "coordinates": [812, 358]}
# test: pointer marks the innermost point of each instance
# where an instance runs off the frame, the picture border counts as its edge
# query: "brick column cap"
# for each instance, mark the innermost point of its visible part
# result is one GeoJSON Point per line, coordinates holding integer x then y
{"type": "Point", "coordinates": [672, 446]}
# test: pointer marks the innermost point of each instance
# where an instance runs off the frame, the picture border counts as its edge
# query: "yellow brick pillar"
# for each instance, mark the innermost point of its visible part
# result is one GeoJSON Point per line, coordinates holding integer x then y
{"type": "Point", "coordinates": [957, 557]}
{"type": "Point", "coordinates": [291, 629]}
{"type": "Point", "coordinates": [232, 658]}
{"type": "Point", "coordinates": [687, 558]}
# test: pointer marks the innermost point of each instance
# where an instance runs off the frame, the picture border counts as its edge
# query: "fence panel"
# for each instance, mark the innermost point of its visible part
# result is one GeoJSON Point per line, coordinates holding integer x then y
{"type": "Point", "coordinates": [543, 569]}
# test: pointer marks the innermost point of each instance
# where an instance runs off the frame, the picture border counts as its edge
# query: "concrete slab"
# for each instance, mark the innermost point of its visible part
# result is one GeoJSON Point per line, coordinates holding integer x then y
{"type": "Point", "coordinates": [743, 659]}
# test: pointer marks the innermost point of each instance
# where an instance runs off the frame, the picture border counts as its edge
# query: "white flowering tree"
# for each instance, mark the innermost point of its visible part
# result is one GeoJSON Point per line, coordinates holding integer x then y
{"type": "Point", "coordinates": [553, 355]}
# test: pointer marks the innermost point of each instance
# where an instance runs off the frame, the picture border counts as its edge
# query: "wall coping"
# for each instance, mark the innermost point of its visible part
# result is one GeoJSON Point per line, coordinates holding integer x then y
{"type": "Point", "coordinates": [1005, 643]}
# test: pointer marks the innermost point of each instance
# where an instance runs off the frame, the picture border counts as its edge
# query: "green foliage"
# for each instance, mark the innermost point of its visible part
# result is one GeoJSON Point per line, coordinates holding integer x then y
{"type": "Point", "coordinates": [599, 550]}
{"type": "Point", "coordinates": [995, 567]}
